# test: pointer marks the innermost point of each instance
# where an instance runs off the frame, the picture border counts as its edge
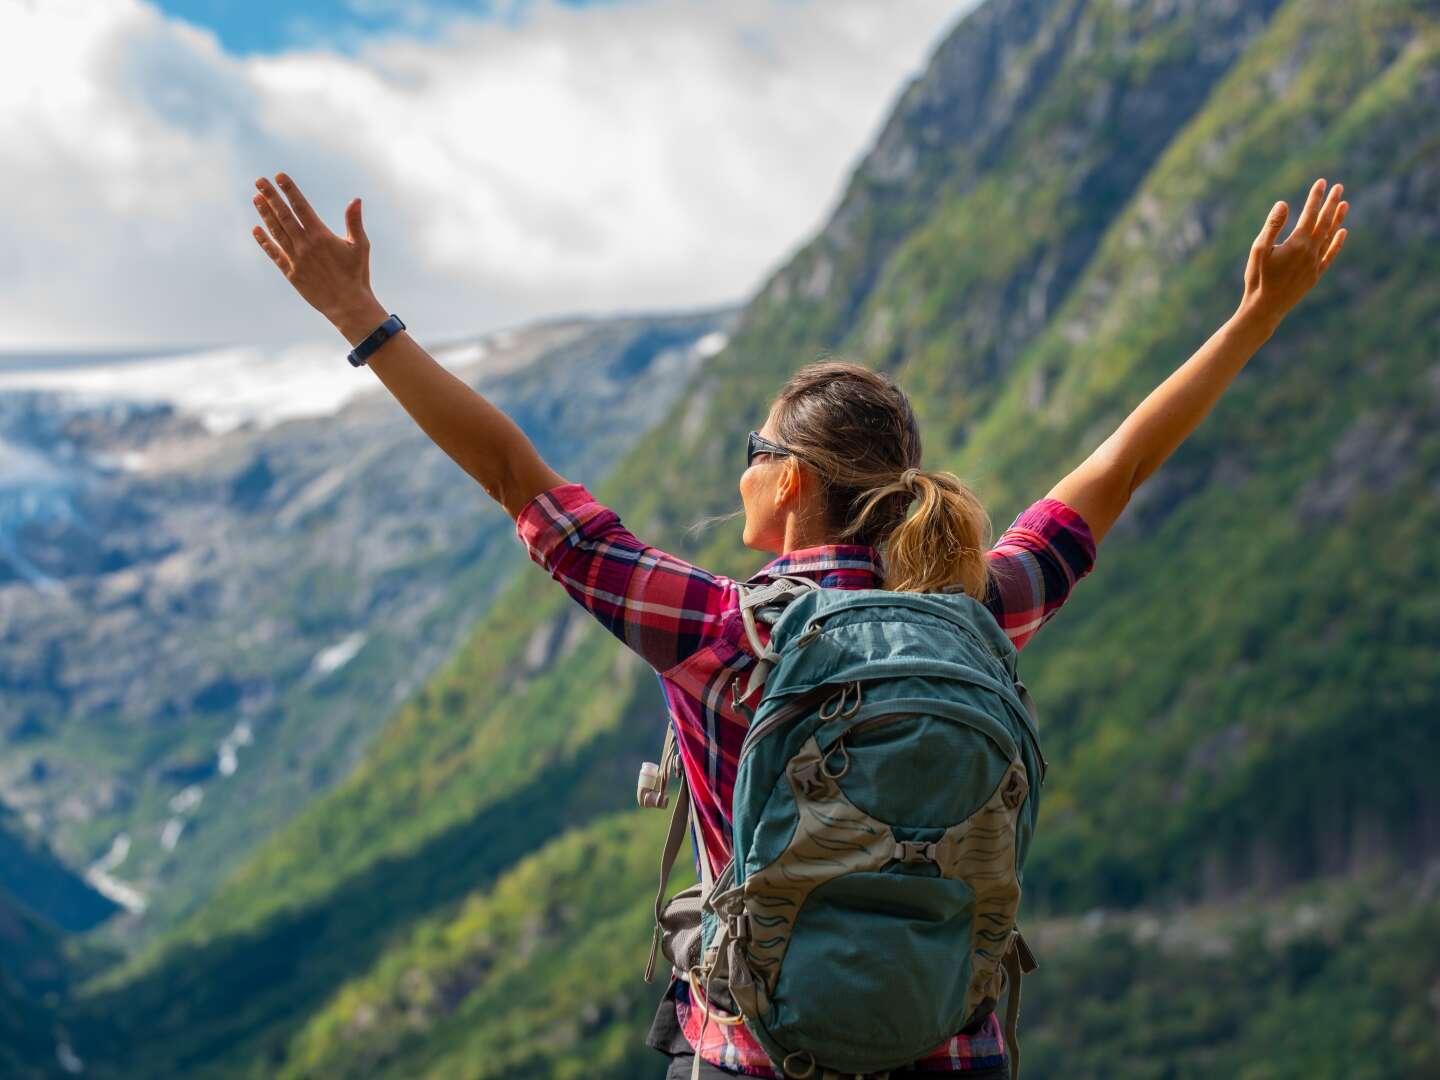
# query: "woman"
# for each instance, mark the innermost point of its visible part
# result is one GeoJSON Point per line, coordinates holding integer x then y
{"type": "Point", "coordinates": [829, 481]}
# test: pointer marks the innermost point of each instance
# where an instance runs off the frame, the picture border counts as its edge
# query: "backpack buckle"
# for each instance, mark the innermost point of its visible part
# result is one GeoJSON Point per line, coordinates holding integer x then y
{"type": "Point", "coordinates": [739, 926]}
{"type": "Point", "coordinates": [915, 851]}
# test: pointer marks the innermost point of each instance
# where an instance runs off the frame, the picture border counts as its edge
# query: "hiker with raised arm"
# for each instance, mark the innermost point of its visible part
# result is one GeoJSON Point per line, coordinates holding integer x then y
{"type": "Point", "coordinates": [850, 745]}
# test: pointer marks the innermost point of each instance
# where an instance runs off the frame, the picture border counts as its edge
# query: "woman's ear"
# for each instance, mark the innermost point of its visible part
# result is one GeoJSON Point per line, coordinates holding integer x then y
{"type": "Point", "coordinates": [788, 483]}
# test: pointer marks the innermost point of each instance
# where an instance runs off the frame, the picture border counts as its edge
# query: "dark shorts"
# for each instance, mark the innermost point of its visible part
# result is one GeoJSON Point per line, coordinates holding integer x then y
{"type": "Point", "coordinates": [665, 1036]}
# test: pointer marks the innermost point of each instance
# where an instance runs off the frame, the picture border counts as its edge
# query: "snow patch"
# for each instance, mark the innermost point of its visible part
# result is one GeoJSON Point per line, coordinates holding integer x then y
{"type": "Point", "coordinates": [68, 1059]}
{"type": "Point", "coordinates": [170, 835]}
{"type": "Point", "coordinates": [333, 657]}
{"type": "Point", "coordinates": [229, 752]}
{"type": "Point", "coordinates": [124, 461]}
{"type": "Point", "coordinates": [187, 800]}
{"type": "Point", "coordinates": [711, 344]}
{"type": "Point", "coordinates": [100, 878]}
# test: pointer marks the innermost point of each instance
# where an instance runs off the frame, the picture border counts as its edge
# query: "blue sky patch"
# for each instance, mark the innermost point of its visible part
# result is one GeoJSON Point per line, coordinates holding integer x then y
{"type": "Point", "coordinates": [246, 27]}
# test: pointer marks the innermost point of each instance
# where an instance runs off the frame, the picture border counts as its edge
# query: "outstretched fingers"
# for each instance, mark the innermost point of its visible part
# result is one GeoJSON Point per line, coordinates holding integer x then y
{"type": "Point", "coordinates": [270, 248]}
{"type": "Point", "coordinates": [1331, 221]}
{"type": "Point", "coordinates": [1335, 245]}
{"type": "Point", "coordinates": [281, 236]}
{"type": "Point", "coordinates": [1325, 219]}
{"type": "Point", "coordinates": [309, 219]}
{"type": "Point", "coordinates": [278, 207]}
{"type": "Point", "coordinates": [1305, 226]}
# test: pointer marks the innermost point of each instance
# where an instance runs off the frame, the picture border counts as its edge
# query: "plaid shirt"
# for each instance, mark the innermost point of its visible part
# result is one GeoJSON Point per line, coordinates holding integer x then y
{"type": "Point", "coordinates": [685, 622]}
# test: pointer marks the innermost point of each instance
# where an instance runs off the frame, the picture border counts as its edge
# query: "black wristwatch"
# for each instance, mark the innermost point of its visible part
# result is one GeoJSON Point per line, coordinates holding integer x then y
{"type": "Point", "coordinates": [381, 334]}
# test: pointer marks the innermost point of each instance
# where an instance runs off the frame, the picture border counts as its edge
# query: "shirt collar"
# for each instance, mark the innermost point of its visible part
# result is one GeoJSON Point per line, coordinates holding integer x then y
{"type": "Point", "coordinates": [855, 565]}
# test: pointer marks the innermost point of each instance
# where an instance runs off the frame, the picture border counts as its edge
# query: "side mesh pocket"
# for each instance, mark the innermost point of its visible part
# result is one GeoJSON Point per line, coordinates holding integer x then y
{"type": "Point", "coordinates": [680, 928]}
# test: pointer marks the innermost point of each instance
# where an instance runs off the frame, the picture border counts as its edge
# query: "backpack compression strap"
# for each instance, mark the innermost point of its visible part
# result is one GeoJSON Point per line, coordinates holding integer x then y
{"type": "Point", "coordinates": [667, 862]}
{"type": "Point", "coordinates": [1017, 961]}
{"type": "Point", "coordinates": [684, 809]}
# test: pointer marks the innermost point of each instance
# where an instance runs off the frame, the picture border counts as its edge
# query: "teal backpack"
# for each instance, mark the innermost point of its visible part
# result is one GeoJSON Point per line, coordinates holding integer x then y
{"type": "Point", "coordinates": [884, 802]}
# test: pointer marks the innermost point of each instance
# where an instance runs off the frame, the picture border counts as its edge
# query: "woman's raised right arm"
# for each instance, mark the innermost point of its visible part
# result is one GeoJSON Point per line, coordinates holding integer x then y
{"type": "Point", "coordinates": [332, 273]}
{"type": "Point", "coordinates": [476, 435]}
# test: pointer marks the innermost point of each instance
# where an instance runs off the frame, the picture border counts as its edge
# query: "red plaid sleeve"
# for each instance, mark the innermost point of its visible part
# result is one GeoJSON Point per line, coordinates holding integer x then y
{"type": "Point", "coordinates": [1037, 562]}
{"type": "Point", "coordinates": [660, 606]}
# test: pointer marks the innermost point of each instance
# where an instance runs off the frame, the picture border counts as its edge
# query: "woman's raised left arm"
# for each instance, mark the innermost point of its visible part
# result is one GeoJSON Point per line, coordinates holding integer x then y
{"type": "Point", "coordinates": [1276, 277]}
{"type": "Point", "coordinates": [332, 273]}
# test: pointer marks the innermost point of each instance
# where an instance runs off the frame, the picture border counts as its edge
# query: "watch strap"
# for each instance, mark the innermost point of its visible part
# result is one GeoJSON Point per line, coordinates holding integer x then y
{"type": "Point", "coordinates": [381, 334]}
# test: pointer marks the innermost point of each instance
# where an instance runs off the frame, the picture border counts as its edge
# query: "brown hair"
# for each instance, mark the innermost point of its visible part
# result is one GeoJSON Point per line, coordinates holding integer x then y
{"type": "Point", "coordinates": [855, 428]}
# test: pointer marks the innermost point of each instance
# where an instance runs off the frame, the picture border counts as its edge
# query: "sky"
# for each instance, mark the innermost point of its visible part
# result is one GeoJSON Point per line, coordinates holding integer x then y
{"type": "Point", "coordinates": [517, 159]}
{"type": "Point", "coordinates": [247, 27]}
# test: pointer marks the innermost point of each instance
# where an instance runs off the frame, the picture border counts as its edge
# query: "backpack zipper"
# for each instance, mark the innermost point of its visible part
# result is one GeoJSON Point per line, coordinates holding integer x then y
{"type": "Point", "coordinates": [801, 704]}
{"type": "Point", "coordinates": [877, 721]}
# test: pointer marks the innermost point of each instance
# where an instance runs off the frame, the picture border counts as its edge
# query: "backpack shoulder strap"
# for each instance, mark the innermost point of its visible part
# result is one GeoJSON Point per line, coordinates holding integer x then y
{"type": "Point", "coordinates": [1029, 704]}
{"type": "Point", "coordinates": [766, 603]}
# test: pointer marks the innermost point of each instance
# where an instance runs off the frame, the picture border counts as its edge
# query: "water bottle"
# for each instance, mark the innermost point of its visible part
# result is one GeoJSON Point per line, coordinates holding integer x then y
{"type": "Point", "coordinates": [650, 788]}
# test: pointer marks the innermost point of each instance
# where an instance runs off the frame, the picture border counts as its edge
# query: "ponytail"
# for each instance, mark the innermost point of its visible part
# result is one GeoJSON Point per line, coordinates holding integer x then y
{"type": "Point", "coordinates": [941, 546]}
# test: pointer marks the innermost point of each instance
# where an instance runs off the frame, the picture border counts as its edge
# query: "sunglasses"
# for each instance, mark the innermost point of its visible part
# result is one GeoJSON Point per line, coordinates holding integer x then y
{"type": "Point", "coordinates": [761, 445]}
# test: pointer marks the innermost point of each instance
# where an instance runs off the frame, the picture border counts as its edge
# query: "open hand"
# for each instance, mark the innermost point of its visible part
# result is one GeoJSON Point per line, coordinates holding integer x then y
{"type": "Point", "coordinates": [1278, 275]}
{"type": "Point", "coordinates": [331, 272]}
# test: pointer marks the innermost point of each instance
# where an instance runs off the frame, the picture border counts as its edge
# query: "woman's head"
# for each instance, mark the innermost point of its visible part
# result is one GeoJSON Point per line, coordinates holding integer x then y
{"type": "Point", "coordinates": [850, 477]}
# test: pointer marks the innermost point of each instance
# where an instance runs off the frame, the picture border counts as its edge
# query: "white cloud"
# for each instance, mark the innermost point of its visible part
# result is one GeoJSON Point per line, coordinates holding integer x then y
{"type": "Point", "coordinates": [657, 154]}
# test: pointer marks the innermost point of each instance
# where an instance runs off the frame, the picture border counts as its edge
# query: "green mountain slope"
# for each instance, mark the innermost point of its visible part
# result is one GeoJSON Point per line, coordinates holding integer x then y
{"type": "Point", "coordinates": [37, 961]}
{"type": "Point", "coordinates": [1294, 992]}
{"type": "Point", "coordinates": [1238, 701]}
{"type": "Point", "coordinates": [27, 1049]}
{"type": "Point", "coordinates": [1203, 736]}
{"type": "Point", "coordinates": [529, 978]}
{"type": "Point", "coordinates": [32, 875]}
{"type": "Point", "coordinates": [518, 980]}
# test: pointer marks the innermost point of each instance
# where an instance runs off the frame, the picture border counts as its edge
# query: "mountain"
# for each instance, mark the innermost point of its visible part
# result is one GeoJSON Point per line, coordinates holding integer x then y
{"type": "Point", "coordinates": [1238, 830]}
{"type": "Point", "coordinates": [31, 953]}
{"type": "Point", "coordinates": [32, 876]}
{"type": "Point", "coordinates": [37, 963]}
{"type": "Point", "coordinates": [206, 624]}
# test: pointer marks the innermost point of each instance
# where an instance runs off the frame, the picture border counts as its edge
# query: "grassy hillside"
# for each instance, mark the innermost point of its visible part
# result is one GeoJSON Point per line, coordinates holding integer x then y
{"type": "Point", "coordinates": [527, 978]}
{"type": "Point", "coordinates": [1290, 991]}
{"type": "Point", "coordinates": [1253, 992]}
{"type": "Point", "coordinates": [1238, 704]}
